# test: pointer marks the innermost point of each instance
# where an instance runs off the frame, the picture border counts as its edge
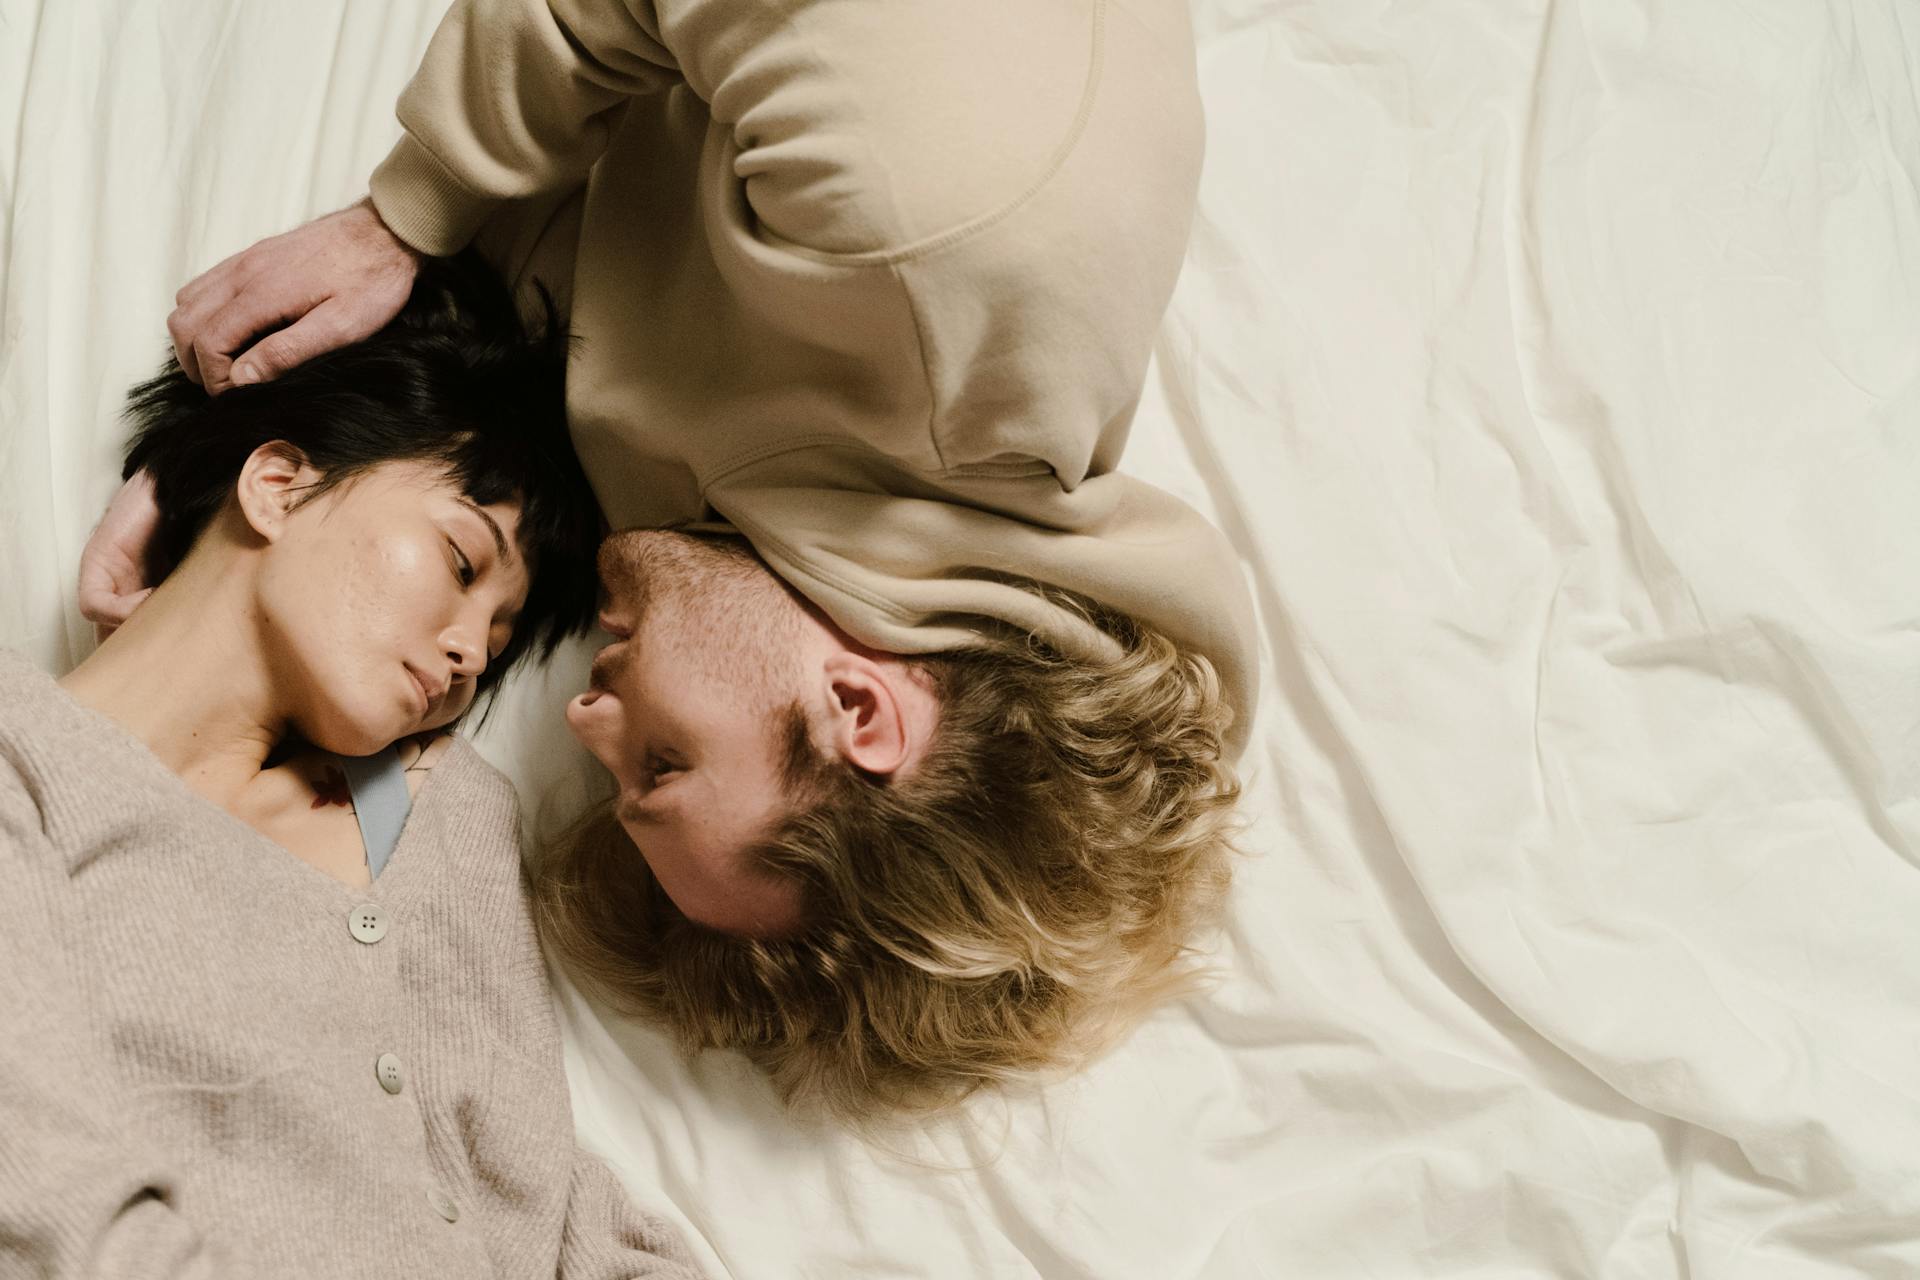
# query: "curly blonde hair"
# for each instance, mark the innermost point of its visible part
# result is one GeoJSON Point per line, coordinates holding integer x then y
{"type": "Point", "coordinates": [1008, 910]}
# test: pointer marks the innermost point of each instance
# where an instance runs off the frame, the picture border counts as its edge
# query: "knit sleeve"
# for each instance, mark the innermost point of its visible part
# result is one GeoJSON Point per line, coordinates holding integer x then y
{"type": "Point", "coordinates": [607, 1238]}
{"type": "Point", "coordinates": [78, 1195]}
{"type": "Point", "coordinates": [514, 99]}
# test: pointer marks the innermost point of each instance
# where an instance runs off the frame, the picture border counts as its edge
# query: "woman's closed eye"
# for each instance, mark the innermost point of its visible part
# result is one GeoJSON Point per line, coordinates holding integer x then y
{"type": "Point", "coordinates": [462, 567]}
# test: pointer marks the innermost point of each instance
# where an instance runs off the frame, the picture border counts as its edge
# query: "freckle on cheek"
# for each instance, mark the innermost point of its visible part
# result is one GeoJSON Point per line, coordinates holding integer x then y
{"type": "Point", "coordinates": [399, 555]}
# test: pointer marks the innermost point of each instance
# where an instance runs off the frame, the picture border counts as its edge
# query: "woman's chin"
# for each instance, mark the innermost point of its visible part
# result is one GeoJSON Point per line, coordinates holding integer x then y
{"type": "Point", "coordinates": [439, 720]}
{"type": "Point", "coordinates": [359, 738]}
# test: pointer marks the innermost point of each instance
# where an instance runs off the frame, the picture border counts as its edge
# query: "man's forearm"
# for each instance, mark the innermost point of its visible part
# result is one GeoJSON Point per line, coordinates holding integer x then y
{"type": "Point", "coordinates": [514, 99]}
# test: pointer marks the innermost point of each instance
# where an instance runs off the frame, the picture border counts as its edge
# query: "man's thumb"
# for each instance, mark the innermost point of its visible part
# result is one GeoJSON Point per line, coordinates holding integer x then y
{"type": "Point", "coordinates": [105, 609]}
{"type": "Point", "coordinates": [316, 333]}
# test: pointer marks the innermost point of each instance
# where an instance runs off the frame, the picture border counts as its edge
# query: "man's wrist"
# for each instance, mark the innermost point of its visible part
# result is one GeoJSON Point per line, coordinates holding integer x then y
{"type": "Point", "coordinates": [422, 203]}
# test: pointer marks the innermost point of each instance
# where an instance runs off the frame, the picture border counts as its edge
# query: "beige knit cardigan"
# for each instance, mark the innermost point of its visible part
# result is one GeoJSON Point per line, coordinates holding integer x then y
{"type": "Point", "coordinates": [216, 1060]}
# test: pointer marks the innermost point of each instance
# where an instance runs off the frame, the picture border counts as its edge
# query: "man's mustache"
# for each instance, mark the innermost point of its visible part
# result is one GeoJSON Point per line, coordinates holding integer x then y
{"type": "Point", "coordinates": [608, 665]}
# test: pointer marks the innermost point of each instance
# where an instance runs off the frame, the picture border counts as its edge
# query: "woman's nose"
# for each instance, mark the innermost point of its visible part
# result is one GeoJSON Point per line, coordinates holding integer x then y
{"type": "Point", "coordinates": [468, 656]}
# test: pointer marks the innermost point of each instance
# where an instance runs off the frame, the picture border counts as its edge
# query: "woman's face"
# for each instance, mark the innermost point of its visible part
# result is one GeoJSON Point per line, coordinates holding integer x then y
{"type": "Point", "coordinates": [382, 601]}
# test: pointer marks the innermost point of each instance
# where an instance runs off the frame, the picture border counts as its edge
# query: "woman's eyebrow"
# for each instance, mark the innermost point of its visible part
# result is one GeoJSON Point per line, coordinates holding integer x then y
{"type": "Point", "coordinates": [499, 539]}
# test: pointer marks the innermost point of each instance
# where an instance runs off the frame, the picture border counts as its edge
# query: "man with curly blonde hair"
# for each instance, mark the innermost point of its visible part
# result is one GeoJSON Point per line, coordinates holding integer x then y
{"type": "Point", "coordinates": [961, 867]}
{"type": "Point", "coordinates": [921, 713]}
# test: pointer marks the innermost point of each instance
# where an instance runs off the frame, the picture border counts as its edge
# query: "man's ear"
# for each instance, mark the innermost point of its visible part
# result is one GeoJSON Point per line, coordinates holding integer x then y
{"type": "Point", "coordinates": [270, 484]}
{"type": "Point", "coordinates": [870, 716]}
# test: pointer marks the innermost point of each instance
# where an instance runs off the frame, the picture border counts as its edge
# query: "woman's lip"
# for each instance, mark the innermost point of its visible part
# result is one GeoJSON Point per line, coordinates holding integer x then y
{"type": "Point", "coordinates": [420, 687]}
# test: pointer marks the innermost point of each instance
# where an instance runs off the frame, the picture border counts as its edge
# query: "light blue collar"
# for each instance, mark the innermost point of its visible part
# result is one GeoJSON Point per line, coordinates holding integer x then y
{"type": "Point", "coordinates": [380, 802]}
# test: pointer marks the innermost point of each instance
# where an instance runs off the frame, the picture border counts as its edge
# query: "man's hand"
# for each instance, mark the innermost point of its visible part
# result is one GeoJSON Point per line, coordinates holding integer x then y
{"type": "Point", "coordinates": [334, 281]}
{"type": "Point", "coordinates": [113, 574]}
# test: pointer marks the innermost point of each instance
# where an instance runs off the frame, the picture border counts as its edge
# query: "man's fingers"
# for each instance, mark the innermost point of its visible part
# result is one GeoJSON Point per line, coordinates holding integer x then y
{"type": "Point", "coordinates": [327, 327]}
{"type": "Point", "coordinates": [221, 275]}
{"type": "Point", "coordinates": [106, 596]}
{"type": "Point", "coordinates": [189, 328]}
{"type": "Point", "coordinates": [96, 594]}
{"type": "Point", "coordinates": [134, 514]}
{"type": "Point", "coordinates": [180, 329]}
{"type": "Point", "coordinates": [265, 303]}
{"type": "Point", "coordinates": [109, 613]}
{"type": "Point", "coordinates": [113, 564]}
{"type": "Point", "coordinates": [218, 310]}
{"type": "Point", "coordinates": [333, 281]}
{"type": "Point", "coordinates": [198, 301]}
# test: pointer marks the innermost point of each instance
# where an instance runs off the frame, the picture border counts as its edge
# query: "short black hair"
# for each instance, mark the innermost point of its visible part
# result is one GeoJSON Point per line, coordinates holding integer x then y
{"type": "Point", "coordinates": [457, 378]}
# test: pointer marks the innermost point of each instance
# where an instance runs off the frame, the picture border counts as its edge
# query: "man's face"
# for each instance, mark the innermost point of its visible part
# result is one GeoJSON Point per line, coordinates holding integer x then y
{"type": "Point", "coordinates": [690, 709]}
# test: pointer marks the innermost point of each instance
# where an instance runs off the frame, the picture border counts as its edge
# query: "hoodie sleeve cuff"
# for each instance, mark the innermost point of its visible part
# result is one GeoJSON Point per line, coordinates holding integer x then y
{"type": "Point", "coordinates": [422, 201]}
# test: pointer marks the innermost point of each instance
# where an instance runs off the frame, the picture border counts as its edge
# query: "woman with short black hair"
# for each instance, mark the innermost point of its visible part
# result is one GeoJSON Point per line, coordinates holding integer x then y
{"type": "Point", "coordinates": [276, 1003]}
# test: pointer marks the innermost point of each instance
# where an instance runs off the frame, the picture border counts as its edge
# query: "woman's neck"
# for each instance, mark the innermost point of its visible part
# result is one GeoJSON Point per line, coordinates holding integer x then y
{"type": "Point", "coordinates": [187, 675]}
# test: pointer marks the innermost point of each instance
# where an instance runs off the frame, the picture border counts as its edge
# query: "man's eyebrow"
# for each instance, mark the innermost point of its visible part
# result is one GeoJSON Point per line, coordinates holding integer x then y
{"type": "Point", "coordinates": [499, 539]}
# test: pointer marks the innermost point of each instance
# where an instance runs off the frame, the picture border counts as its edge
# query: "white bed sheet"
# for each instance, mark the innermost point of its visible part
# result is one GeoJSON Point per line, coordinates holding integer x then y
{"type": "Point", "coordinates": [1554, 368]}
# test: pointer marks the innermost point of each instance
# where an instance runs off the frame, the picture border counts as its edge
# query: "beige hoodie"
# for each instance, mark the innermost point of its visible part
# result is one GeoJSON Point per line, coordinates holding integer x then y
{"type": "Point", "coordinates": [873, 281]}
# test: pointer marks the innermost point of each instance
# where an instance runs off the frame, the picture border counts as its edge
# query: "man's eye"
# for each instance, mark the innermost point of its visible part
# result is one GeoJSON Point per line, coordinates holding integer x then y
{"type": "Point", "coordinates": [658, 768]}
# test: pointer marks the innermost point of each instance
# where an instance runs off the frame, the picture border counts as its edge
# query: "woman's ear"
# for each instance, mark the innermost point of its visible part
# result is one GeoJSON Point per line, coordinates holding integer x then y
{"type": "Point", "coordinates": [271, 481]}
